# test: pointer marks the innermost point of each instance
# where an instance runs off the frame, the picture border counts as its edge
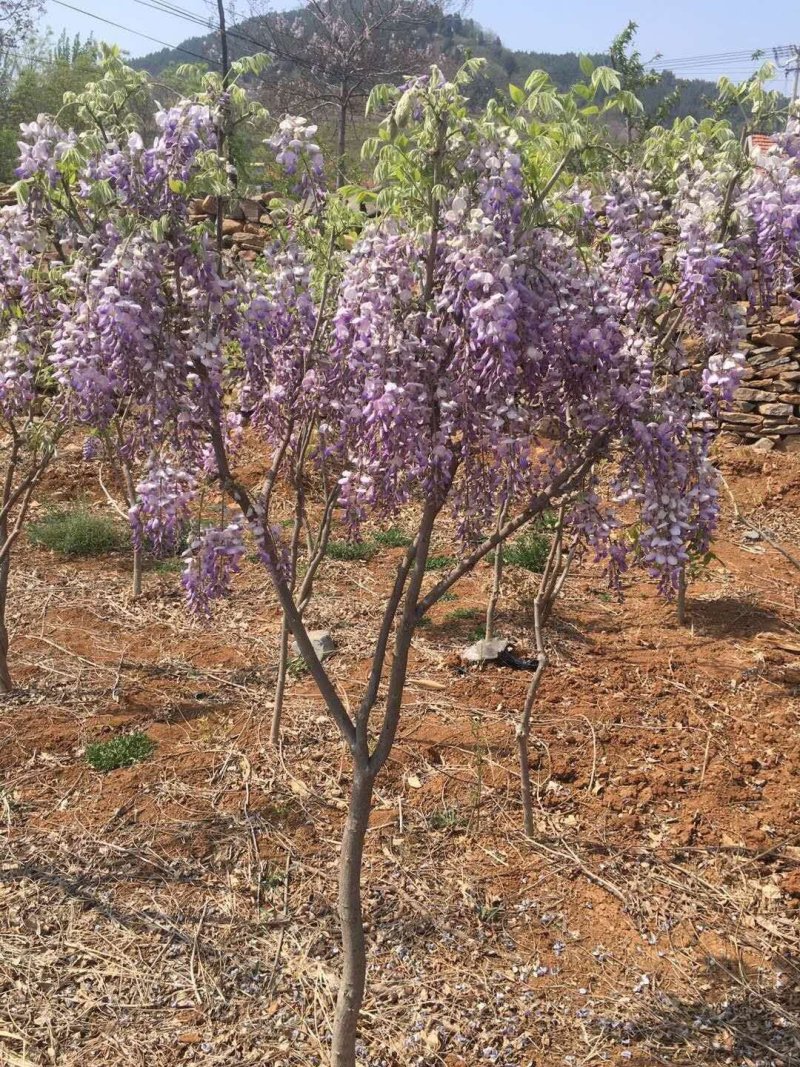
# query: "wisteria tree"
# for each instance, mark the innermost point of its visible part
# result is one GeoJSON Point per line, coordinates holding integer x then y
{"type": "Point", "coordinates": [494, 344]}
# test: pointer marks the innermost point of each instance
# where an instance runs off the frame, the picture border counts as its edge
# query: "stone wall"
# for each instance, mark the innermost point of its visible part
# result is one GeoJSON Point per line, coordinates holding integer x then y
{"type": "Point", "coordinates": [765, 411]}
{"type": "Point", "coordinates": [246, 225]}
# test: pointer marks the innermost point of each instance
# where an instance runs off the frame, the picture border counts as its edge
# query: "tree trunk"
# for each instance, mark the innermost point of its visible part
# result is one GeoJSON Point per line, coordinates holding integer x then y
{"type": "Point", "coordinates": [497, 577]}
{"type": "Point", "coordinates": [6, 684]}
{"type": "Point", "coordinates": [280, 685]}
{"type": "Point", "coordinates": [354, 952]}
{"type": "Point", "coordinates": [680, 606]}
{"type": "Point", "coordinates": [525, 780]}
{"type": "Point", "coordinates": [137, 570]}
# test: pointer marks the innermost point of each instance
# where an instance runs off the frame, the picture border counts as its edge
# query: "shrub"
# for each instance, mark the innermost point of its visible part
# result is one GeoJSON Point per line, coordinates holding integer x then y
{"type": "Point", "coordinates": [529, 551]}
{"type": "Point", "coordinates": [122, 751]}
{"type": "Point", "coordinates": [78, 532]}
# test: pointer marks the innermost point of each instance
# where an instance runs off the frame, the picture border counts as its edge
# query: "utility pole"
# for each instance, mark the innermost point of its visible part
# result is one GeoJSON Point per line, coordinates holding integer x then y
{"type": "Point", "coordinates": [796, 69]}
{"type": "Point", "coordinates": [223, 42]}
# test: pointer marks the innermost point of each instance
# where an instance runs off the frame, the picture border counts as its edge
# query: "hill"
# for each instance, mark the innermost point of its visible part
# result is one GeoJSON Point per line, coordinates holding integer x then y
{"type": "Point", "coordinates": [449, 37]}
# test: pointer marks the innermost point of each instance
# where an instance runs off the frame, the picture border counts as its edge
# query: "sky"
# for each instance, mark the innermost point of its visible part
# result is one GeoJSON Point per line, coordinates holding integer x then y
{"type": "Point", "coordinates": [688, 31]}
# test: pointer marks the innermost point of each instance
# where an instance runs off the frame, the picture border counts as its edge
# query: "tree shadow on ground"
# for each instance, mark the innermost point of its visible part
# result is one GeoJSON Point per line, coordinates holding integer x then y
{"type": "Point", "coordinates": [732, 616]}
{"type": "Point", "coordinates": [749, 1016]}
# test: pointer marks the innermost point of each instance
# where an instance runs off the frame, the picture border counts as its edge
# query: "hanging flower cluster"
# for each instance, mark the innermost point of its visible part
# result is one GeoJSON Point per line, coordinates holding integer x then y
{"type": "Point", "coordinates": [297, 152]}
{"type": "Point", "coordinates": [211, 560]}
{"type": "Point", "coordinates": [161, 514]}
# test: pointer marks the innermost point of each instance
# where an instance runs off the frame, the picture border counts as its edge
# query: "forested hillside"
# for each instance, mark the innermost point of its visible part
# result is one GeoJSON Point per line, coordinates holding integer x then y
{"type": "Point", "coordinates": [448, 37]}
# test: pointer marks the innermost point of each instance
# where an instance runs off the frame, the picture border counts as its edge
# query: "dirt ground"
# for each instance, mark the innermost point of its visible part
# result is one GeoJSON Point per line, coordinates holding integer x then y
{"type": "Point", "coordinates": [181, 911]}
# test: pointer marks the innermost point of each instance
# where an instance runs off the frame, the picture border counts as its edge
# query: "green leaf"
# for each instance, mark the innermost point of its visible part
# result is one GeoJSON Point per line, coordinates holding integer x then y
{"type": "Point", "coordinates": [587, 67]}
{"type": "Point", "coordinates": [22, 191]}
{"type": "Point", "coordinates": [101, 193]}
{"type": "Point", "coordinates": [403, 108]}
{"type": "Point", "coordinates": [537, 80]}
{"type": "Point", "coordinates": [370, 148]}
{"type": "Point", "coordinates": [517, 95]}
{"type": "Point", "coordinates": [606, 79]}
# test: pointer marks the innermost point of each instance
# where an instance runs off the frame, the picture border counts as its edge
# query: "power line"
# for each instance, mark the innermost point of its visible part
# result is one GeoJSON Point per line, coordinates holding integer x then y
{"type": "Point", "coordinates": [719, 60]}
{"type": "Point", "coordinates": [742, 53]}
{"type": "Point", "coordinates": [188, 16]}
{"type": "Point", "coordinates": [127, 29]}
{"type": "Point", "coordinates": [177, 12]}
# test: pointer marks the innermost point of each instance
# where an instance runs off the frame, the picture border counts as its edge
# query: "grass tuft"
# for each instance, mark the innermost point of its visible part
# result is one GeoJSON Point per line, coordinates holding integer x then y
{"type": "Point", "coordinates": [445, 818]}
{"type": "Point", "coordinates": [122, 751]}
{"type": "Point", "coordinates": [78, 532]}
{"type": "Point", "coordinates": [350, 550]}
{"type": "Point", "coordinates": [296, 667]}
{"type": "Point", "coordinates": [169, 565]}
{"type": "Point", "coordinates": [439, 563]}
{"type": "Point", "coordinates": [529, 551]}
{"type": "Point", "coordinates": [392, 538]}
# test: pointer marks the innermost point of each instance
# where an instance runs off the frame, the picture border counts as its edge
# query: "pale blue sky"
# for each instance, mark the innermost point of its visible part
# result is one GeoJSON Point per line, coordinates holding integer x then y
{"type": "Point", "coordinates": [679, 29]}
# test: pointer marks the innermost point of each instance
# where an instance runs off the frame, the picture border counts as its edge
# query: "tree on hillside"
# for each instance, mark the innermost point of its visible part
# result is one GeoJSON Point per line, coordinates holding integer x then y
{"type": "Point", "coordinates": [496, 345]}
{"type": "Point", "coordinates": [627, 61]}
{"type": "Point", "coordinates": [337, 50]}
{"type": "Point", "coordinates": [17, 19]}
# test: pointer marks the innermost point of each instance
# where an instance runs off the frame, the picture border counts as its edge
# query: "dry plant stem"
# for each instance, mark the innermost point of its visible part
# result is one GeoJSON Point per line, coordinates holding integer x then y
{"type": "Point", "coordinates": [318, 549]}
{"type": "Point", "coordinates": [497, 576]}
{"type": "Point", "coordinates": [130, 490]}
{"type": "Point", "coordinates": [283, 653]}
